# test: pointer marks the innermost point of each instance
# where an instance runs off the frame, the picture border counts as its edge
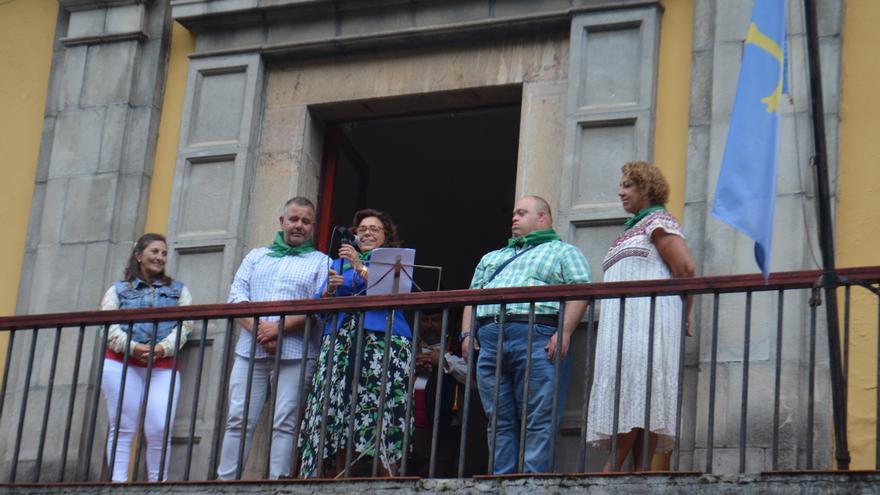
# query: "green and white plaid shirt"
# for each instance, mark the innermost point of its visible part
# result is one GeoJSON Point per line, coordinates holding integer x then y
{"type": "Point", "coordinates": [551, 263]}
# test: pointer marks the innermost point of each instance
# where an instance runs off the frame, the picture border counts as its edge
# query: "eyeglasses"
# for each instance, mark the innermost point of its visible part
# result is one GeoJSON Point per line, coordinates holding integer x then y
{"type": "Point", "coordinates": [373, 229]}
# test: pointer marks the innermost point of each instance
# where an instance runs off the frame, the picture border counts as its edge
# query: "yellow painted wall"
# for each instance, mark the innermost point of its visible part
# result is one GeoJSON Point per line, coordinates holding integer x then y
{"type": "Point", "coordinates": [858, 223]}
{"type": "Point", "coordinates": [673, 102]}
{"type": "Point", "coordinates": [673, 98]}
{"type": "Point", "coordinates": [27, 30]}
{"type": "Point", "coordinates": [182, 44]}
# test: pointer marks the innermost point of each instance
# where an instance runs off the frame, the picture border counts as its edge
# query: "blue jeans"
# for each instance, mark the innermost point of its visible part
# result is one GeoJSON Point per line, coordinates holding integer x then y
{"type": "Point", "coordinates": [539, 420]}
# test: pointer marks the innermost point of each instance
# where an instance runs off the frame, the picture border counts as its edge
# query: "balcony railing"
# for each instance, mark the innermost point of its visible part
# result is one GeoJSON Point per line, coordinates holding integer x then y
{"type": "Point", "coordinates": [53, 425]}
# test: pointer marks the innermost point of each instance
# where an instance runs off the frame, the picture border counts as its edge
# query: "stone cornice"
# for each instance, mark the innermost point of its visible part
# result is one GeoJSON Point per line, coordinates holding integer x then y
{"type": "Point", "coordinates": [305, 28]}
{"type": "Point", "coordinates": [75, 5]}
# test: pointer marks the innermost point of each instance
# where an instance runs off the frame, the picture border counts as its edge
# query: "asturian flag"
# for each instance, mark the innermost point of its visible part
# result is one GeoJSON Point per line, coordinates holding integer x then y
{"type": "Point", "coordinates": [745, 194]}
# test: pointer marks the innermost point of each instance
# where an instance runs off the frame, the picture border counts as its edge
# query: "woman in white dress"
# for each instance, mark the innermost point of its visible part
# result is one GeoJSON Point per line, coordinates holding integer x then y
{"type": "Point", "coordinates": [652, 246]}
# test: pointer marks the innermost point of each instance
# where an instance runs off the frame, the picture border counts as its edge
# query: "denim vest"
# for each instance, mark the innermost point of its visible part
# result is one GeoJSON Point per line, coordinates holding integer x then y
{"type": "Point", "coordinates": [137, 294]}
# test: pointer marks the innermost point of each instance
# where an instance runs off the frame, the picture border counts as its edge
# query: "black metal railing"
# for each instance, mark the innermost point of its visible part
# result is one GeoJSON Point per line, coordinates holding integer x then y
{"type": "Point", "coordinates": [51, 407]}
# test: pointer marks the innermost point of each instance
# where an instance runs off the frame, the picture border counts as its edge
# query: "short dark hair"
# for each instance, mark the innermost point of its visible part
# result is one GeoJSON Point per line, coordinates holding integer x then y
{"type": "Point", "coordinates": [133, 267]}
{"type": "Point", "coordinates": [541, 204]}
{"type": "Point", "coordinates": [391, 236]}
{"type": "Point", "coordinates": [299, 201]}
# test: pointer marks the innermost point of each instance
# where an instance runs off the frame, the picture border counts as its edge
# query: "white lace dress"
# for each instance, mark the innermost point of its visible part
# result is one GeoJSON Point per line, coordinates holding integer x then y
{"type": "Point", "coordinates": [634, 257]}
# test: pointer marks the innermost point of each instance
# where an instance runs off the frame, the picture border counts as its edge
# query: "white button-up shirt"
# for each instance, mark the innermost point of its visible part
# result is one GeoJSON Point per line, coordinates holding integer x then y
{"type": "Point", "coordinates": [266, 278]}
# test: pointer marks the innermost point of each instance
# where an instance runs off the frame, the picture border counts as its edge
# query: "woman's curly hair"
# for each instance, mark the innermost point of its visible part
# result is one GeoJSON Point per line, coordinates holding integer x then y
{"type": "Point", "coordinates": [649, 179]}
{"type": "Point", "coordinates": [391, 236]}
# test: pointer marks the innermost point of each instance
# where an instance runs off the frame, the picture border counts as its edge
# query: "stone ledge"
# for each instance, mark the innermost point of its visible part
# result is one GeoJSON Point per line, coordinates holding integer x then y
{"type": "Point", "coordinates": [819, 482]}
{"type": "Point", "coordinates": [75, 5]}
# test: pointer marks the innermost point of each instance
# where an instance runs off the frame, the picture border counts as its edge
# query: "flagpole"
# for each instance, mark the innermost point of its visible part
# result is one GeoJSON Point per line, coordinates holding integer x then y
{"type": "Point", "coordinates": [826, 238]}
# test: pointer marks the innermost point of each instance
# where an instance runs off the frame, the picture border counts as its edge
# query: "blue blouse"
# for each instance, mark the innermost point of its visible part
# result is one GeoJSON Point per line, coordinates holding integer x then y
{"type": "Point", "coordinates": [375, 320]}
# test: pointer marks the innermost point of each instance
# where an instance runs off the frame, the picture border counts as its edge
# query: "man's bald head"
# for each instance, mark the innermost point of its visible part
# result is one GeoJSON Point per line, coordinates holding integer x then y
{"type": "Point", "coordinates": [531, 213]}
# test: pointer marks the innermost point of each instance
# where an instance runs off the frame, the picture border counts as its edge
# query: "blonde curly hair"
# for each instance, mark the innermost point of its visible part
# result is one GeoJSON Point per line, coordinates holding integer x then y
{"type": "Point", "coordinates": [649, 179]}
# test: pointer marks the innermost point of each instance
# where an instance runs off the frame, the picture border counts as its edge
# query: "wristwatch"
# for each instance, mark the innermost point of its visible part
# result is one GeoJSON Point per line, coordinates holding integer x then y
{"type": "Point", "coordinates": [463, 335]}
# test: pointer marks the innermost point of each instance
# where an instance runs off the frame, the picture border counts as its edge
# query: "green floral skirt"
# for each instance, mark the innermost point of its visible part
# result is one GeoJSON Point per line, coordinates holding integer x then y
{"type": "Point", "coordinates": [366, 410]}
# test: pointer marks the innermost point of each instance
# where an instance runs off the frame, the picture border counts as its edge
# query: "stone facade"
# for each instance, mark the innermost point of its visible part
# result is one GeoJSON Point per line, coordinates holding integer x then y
{"type": "Point", "coordinates": [267, 74]}
{"type": "Point", "coordinates": [90, 197]}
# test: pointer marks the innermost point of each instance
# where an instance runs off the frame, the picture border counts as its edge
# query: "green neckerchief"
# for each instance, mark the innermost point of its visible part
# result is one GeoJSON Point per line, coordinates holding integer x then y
{"type": "Point", "coordinates": [631, 221]}
{"type": "Point", "coordinates": [533, 238]}
{"type": "Point", "coordinates": [279, 248]}
{"type": "Point", "coordinates": [365, 256]}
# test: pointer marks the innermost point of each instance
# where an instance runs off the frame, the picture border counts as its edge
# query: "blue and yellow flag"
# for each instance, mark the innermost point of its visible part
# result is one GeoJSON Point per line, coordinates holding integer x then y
{"type": "Point", "coordinates": [745, 194]}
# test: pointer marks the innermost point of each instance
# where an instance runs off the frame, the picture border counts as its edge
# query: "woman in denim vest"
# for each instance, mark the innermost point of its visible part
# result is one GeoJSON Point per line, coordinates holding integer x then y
{"type": "Point", "coordinates": [145, 286]}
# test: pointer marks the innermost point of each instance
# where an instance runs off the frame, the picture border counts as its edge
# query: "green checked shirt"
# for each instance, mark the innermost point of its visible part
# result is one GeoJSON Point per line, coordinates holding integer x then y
{"type": "Point", "coordinates": [551, 263]}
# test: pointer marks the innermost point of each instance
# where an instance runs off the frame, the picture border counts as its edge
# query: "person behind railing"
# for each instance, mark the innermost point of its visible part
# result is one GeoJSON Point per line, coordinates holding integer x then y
{"type": "Point", "coordinates": [145, 285]}
{"type": "Point", "coordinates": [651, 246]}
{"type": "Point", "coordinates": [425, 394]}
{"type": "Point", "coordinates": [348, 277]}
{"type": "Point", "coordinates": [533, 256]}
{"type": "Point", "coordinates": [290, 268]}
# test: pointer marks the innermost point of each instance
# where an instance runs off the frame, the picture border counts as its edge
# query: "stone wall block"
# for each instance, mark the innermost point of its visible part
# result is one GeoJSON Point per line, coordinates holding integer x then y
{"type": "Point", "coordinates": [732, 20]}
{"type": "Point", "coordinates": [374, 20]}
{"type": "Point", "coordinates": [94, 198]}
{"type": "Point", "coordinates": [113, 139]}
{"type": "Point", "coordinates": [70, 80]}
{"type": "Point", "coordinates": [57, 272]}
{"type": "Point", "coordinates": [433, 14]}
{"type": "Point", "coordinates": [726, 460]}
{"type": "Point", "coordinates": [52, 214]}
{"type": "Point", "coordinates": [511, 8]}
{"type": "Point", "coordinates": [725, 75]}
{"type": "Point", "coordinates": [109, 71]}
{"type": "Point", "coordinates": [274, 179]}
{"type": "Point", "coordinates": [832, 144]}
{"type": "Point", "coordinates": [542, 127]}
{"type": "Point", "coordinates": [798, 98]}
{"type": "Point", "coordinates": [148, 88]}
{"type": "Point", "coordinates": [56, 79]}
{"type": "Point", "coordinates": [243, 37]}
{"type": "Point", "coordinates": [76, 144]}
{"type": "Point", "coordinates": [794, 174]}
{"type": "Point", "coordinates": [829, 17]}
{"type": "Point", "coordinates": [94, 272]}
{"type": "Point", "coordinates": [143, 124]}
{"type": "Point", "coordinates": [717, 142]}
{"type": "Point", "coordinates": [829, 56]}
{"type": "Point", "coordinates": [125, 19]}
{"type": "Point", "coordinates": [790, 233]}
{"type": "Point", "coordinates": [723, 400]}
{"type": "Point", "coordinates": [696, 180]}
{"type": "Point", "coordinates": [86, 23]}
{"type": "Point", "coordinates": [700, 111]}
{"type": "Point", "coordinates": [117, 256]}
{"type": "Point", "coordinates": [704, 25]}
{"type": "Point", "coordinates": [281, 128]}
{"type": "Point", "coordinates": [130, 213]}
{"type": "Point", "coordinates": [301, 30]}
{"type": "Point", "coordinates": [45, 154]}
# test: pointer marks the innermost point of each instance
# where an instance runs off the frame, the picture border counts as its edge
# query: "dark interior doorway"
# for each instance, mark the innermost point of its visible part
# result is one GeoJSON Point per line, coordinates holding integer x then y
{"type": "Point", "coordinates": [446, 177]}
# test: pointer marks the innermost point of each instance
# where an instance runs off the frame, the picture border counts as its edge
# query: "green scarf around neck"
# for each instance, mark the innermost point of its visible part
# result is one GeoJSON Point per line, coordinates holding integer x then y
{"type": "Point", "coordinates": [631, 221]}
{"type": "Point", "coordinates": [279, 248]}
{"type": "Point", "coordinates": [533, 238]}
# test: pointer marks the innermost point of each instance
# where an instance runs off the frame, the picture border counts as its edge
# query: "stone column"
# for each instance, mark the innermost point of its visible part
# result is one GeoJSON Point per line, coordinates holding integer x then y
{"type": "Point", "coordinates": [90, 199]}
{"type": "Point", "coordinates": [719, 33]}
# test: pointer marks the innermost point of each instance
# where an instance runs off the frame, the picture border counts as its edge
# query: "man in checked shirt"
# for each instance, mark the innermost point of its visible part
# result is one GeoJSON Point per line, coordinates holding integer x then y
{"type": "Point", "coordinates": [533, 256]}
{"type": "Point", "coordinates": [290, 268]}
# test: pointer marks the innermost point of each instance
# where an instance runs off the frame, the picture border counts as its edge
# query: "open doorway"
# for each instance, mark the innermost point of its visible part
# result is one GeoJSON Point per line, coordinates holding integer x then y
{"type": "Point", "coordinates": [446, 177]}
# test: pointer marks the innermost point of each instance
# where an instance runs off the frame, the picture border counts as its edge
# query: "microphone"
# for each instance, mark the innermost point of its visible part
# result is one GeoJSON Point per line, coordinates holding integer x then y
{"type": "Point", "coordinates": [346, 237]}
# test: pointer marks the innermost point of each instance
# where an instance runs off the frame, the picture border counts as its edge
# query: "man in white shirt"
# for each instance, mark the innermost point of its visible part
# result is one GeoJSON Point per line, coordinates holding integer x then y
{"type": "Point", "coordinates": [288, 269]}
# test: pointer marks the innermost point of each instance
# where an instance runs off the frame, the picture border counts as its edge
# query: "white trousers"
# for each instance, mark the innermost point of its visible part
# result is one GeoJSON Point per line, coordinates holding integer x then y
{"type": "Point", "coordinates": [287, 403]}
{"type": "Point", "coordinates": [154, 419]}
